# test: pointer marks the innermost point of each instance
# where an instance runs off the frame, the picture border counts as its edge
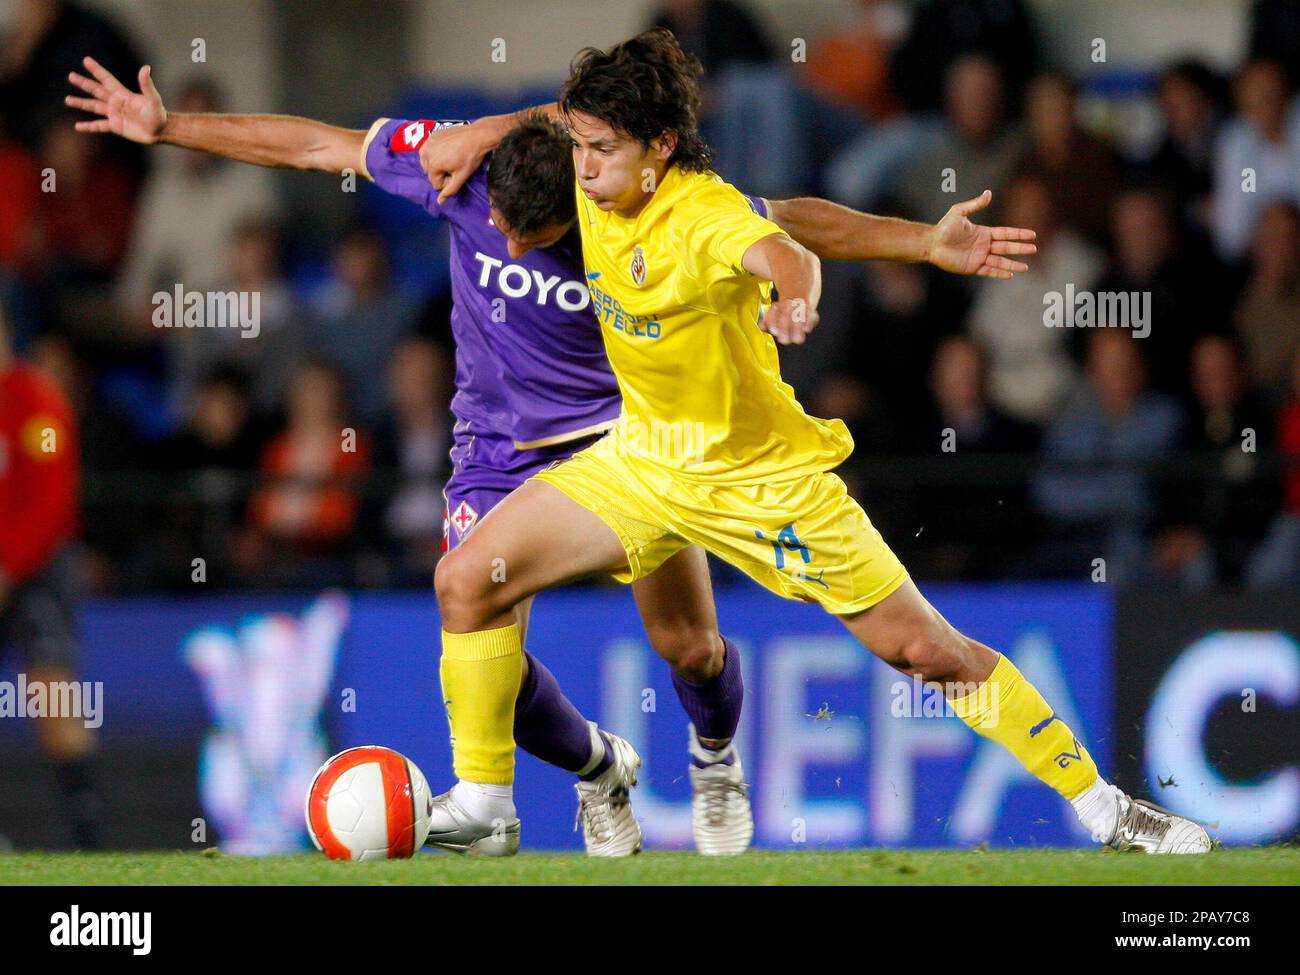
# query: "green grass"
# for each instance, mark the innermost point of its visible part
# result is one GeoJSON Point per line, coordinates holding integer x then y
{"type": "Point", "coordinates": [1258, 865]}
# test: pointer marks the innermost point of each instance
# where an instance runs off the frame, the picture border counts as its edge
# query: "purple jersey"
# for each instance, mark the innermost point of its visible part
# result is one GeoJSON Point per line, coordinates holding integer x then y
{"type": "Point", "coordinates": [530, 361]}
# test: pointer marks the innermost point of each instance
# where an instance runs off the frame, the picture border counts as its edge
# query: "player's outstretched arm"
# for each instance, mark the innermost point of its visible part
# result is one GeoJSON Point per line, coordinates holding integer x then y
{"type": "Point", "coordinates": [282, 141]}
{"type": "Point", "coordinates": [954, 244]}
{"type": "Point", "coordinates": [796, 273]}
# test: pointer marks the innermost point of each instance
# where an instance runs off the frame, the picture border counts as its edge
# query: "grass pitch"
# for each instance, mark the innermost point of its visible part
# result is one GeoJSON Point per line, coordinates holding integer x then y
{"type": "Point", "coordinates": [1277, 865]}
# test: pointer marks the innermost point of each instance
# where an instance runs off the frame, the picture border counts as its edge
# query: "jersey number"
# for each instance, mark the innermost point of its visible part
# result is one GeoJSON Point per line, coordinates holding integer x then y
{"type": "Point", "coordinates": [786, 541]}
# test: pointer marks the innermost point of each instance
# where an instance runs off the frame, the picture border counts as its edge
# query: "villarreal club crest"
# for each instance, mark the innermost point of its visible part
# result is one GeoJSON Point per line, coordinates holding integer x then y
{"type": "Point", "coordinates": [638, 266]}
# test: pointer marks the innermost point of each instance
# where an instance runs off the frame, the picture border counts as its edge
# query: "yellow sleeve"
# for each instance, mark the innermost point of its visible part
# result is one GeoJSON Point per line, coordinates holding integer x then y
{"type": "Point", "coordinates": [720, 224]}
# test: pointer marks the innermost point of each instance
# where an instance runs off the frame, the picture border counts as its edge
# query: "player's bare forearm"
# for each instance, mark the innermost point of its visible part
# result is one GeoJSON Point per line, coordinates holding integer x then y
{"type": "Point", "coordinates": [795, 273]}
{"type": "Point", "coordinates": [281, 141]}
{"type": "Point", "coordinates": [839, 233]}
{"type": "Point", "coordinates": [954, 244]}
{"type": "Point", "coordinates": [793, 269]}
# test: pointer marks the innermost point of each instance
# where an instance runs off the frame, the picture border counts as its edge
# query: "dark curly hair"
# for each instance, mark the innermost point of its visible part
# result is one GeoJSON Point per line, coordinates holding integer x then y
{"type": "Point", "coordinates": [530, 177]}
{"type": "Point", "coordinates": [642, 88]}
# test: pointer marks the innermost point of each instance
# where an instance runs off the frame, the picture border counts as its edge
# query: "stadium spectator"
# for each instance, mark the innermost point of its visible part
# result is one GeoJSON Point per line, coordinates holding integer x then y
{"type": "Point", "coordinates": [48, 39]}
{"type": "Point", "coordinates": [1098, 499]}
{"type": "Point", "coordinates": [1276, 564]}
{"type": "Point", "coordinates": [947, 30]}
{"type": "Point", "coordinates": [20, 187]}
{"type": "Point", "coordinates": [1260, 144]}
{"type": "Point", "coordinates": [413, 447]}
{"type": "Point", "coordinates": [272, 355]}
{"type": "Point", "coordinates": [1267, 317]}
{"type": "Point", "coordinates": [1192, 100]}
{"type": "Point", "coordinates": [1030, 370]}
{"type": "Point", "coordinates": [188, 214]}
{"type": "Point", "coordinates": [39, 477]}
{"type": "Point", "coordinates": [1184, 294]}
{"type": "Point", "coordinates": [848, 64]}
{"type": "Point", "coordinates": [362, 317]}
{"type": "Point", "coordinates": [812, 107]}
{"type": "Point", "coordinates": [213, 456]}
{"type": "Point", "coordinates": [302, 519]}
{"type": "Point", "coordinates": [1215, 514]}
{"type": "Point", "coordinates": [894, 316]}
{"type": "Point", "coordinates": [1082, 170]}
{"type": "Point", "coordinates": [718, 32]}
{"type": "Point", "coordinates": [222, 431]}
{"type": "Point", "coordinates": [82, 221]}
{"type": "Point", "coordinates": [1275, 34]}
{"type": "Point", "coordinates": [982, 537]}
{"type": "Point", "coordinates": [114, 551]}
{"type": "Point", "coordinates": [977, 142]}
{"type": "Point", "coordinates": [107, 440]}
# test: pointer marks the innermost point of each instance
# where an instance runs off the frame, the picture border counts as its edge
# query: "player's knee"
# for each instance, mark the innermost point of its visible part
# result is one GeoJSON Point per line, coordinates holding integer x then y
{"type": "Point", "coordinates": [935, 655]}
{"type": "Point", "coordinates": [693, 652]}
{"type": "Point", "coordinates": [464, 593]}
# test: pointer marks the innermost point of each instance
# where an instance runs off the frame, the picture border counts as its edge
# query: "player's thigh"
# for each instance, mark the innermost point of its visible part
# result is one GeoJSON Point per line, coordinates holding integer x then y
{"type": "Point", "coordinates": [803, 539]}
{"type": "Point", "coordinates": [678, 611]}
{"type": "Point", "coordinates": [534, 539]}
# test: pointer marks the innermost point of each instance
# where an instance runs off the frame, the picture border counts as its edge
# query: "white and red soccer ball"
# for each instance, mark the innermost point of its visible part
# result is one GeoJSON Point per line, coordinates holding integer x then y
{"type": "Point", "coordinates": [368, 803]}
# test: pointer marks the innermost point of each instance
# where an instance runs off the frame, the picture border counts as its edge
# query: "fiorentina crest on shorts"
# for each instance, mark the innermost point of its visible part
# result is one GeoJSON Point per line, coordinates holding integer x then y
{"type": "Point", "coordinates": [638, 266]}
{"type": "Point", "coordinates": [464, 518]}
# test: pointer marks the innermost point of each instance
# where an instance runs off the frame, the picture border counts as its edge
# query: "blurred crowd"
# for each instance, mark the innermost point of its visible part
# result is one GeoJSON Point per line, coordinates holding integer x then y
{"type": "Point", "coordinates": [989, 445]}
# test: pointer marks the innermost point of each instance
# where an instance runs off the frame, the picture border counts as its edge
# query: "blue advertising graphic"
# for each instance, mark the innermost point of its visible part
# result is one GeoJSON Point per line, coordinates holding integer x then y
{"type": "Point", "coordinates": [1233, 668]}
{"type": "Point", "coordinates": [839, 749]}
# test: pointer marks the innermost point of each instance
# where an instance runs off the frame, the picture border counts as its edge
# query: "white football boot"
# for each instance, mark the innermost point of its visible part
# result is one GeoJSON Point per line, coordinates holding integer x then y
{"type": "Point", "coordinates": [1151, 828]}
{"type": "Point", "coordinates": [609, 828]}
{"type": "Point", "coordinates": [452, 827]}
{"type": "Point", "coordinates": [721, 819]}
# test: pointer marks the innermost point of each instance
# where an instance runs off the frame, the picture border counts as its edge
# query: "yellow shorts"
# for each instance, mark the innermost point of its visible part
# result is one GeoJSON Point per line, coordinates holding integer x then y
{"type": "Point", "coordinates": [802, 538]}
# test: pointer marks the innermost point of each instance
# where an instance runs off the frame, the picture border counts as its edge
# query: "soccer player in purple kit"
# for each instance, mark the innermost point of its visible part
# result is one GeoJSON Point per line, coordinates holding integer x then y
{"type": "Point", "coordinates": [533, 386]}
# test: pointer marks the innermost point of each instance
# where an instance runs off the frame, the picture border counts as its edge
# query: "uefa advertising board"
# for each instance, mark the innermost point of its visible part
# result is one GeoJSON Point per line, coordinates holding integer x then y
{"type": "Point", "coordinates": [238, 699]}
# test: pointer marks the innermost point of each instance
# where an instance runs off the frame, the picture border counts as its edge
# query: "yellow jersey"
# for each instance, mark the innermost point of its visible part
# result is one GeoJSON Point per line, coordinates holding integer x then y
{"type": "Point", "coordinates": [701, 384]}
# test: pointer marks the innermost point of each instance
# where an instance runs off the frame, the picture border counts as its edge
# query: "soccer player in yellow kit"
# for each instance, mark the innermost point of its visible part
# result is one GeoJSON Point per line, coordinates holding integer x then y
{"type": "Point", "coordinates": [690, 285]}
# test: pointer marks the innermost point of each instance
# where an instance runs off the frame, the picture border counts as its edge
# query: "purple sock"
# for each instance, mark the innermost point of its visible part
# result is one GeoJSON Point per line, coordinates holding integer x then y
{"type": "Point", "coordinates": [714, 705]}
{"type": "Point", "coordinates": [549, 727]}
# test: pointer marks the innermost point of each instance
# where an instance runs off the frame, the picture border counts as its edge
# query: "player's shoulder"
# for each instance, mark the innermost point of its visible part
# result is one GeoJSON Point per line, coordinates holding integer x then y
{"type": "Point", "coordinates": [409, 134]}
{"type": "Point", "coordinates": [704, 191]}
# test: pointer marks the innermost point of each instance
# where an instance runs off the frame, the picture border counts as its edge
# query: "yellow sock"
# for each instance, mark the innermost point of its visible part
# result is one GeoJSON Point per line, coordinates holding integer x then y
{"type": "Point", "coordinates": [480, 674]}
{"type": "Point", "coordinates": [1008, 709]}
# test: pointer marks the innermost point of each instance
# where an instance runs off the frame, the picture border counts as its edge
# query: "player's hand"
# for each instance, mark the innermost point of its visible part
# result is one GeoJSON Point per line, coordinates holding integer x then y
{"type": "Point", "coordinates": [451, 156]}
{"type": "Point", "coordinates": [790, 320]}
{"type": "Point", "coordinates": [962, 247]}
{"type": "Point", "coordinates": [138, 116]}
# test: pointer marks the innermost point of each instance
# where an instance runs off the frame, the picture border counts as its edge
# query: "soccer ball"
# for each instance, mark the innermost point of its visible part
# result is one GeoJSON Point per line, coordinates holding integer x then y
{"type": "Point", "coordinates": [368, 803]}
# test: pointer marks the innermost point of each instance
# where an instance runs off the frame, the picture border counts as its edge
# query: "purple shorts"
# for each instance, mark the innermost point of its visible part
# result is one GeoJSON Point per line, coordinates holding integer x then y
{"type": "Point", "coordinates": [485, 467]}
